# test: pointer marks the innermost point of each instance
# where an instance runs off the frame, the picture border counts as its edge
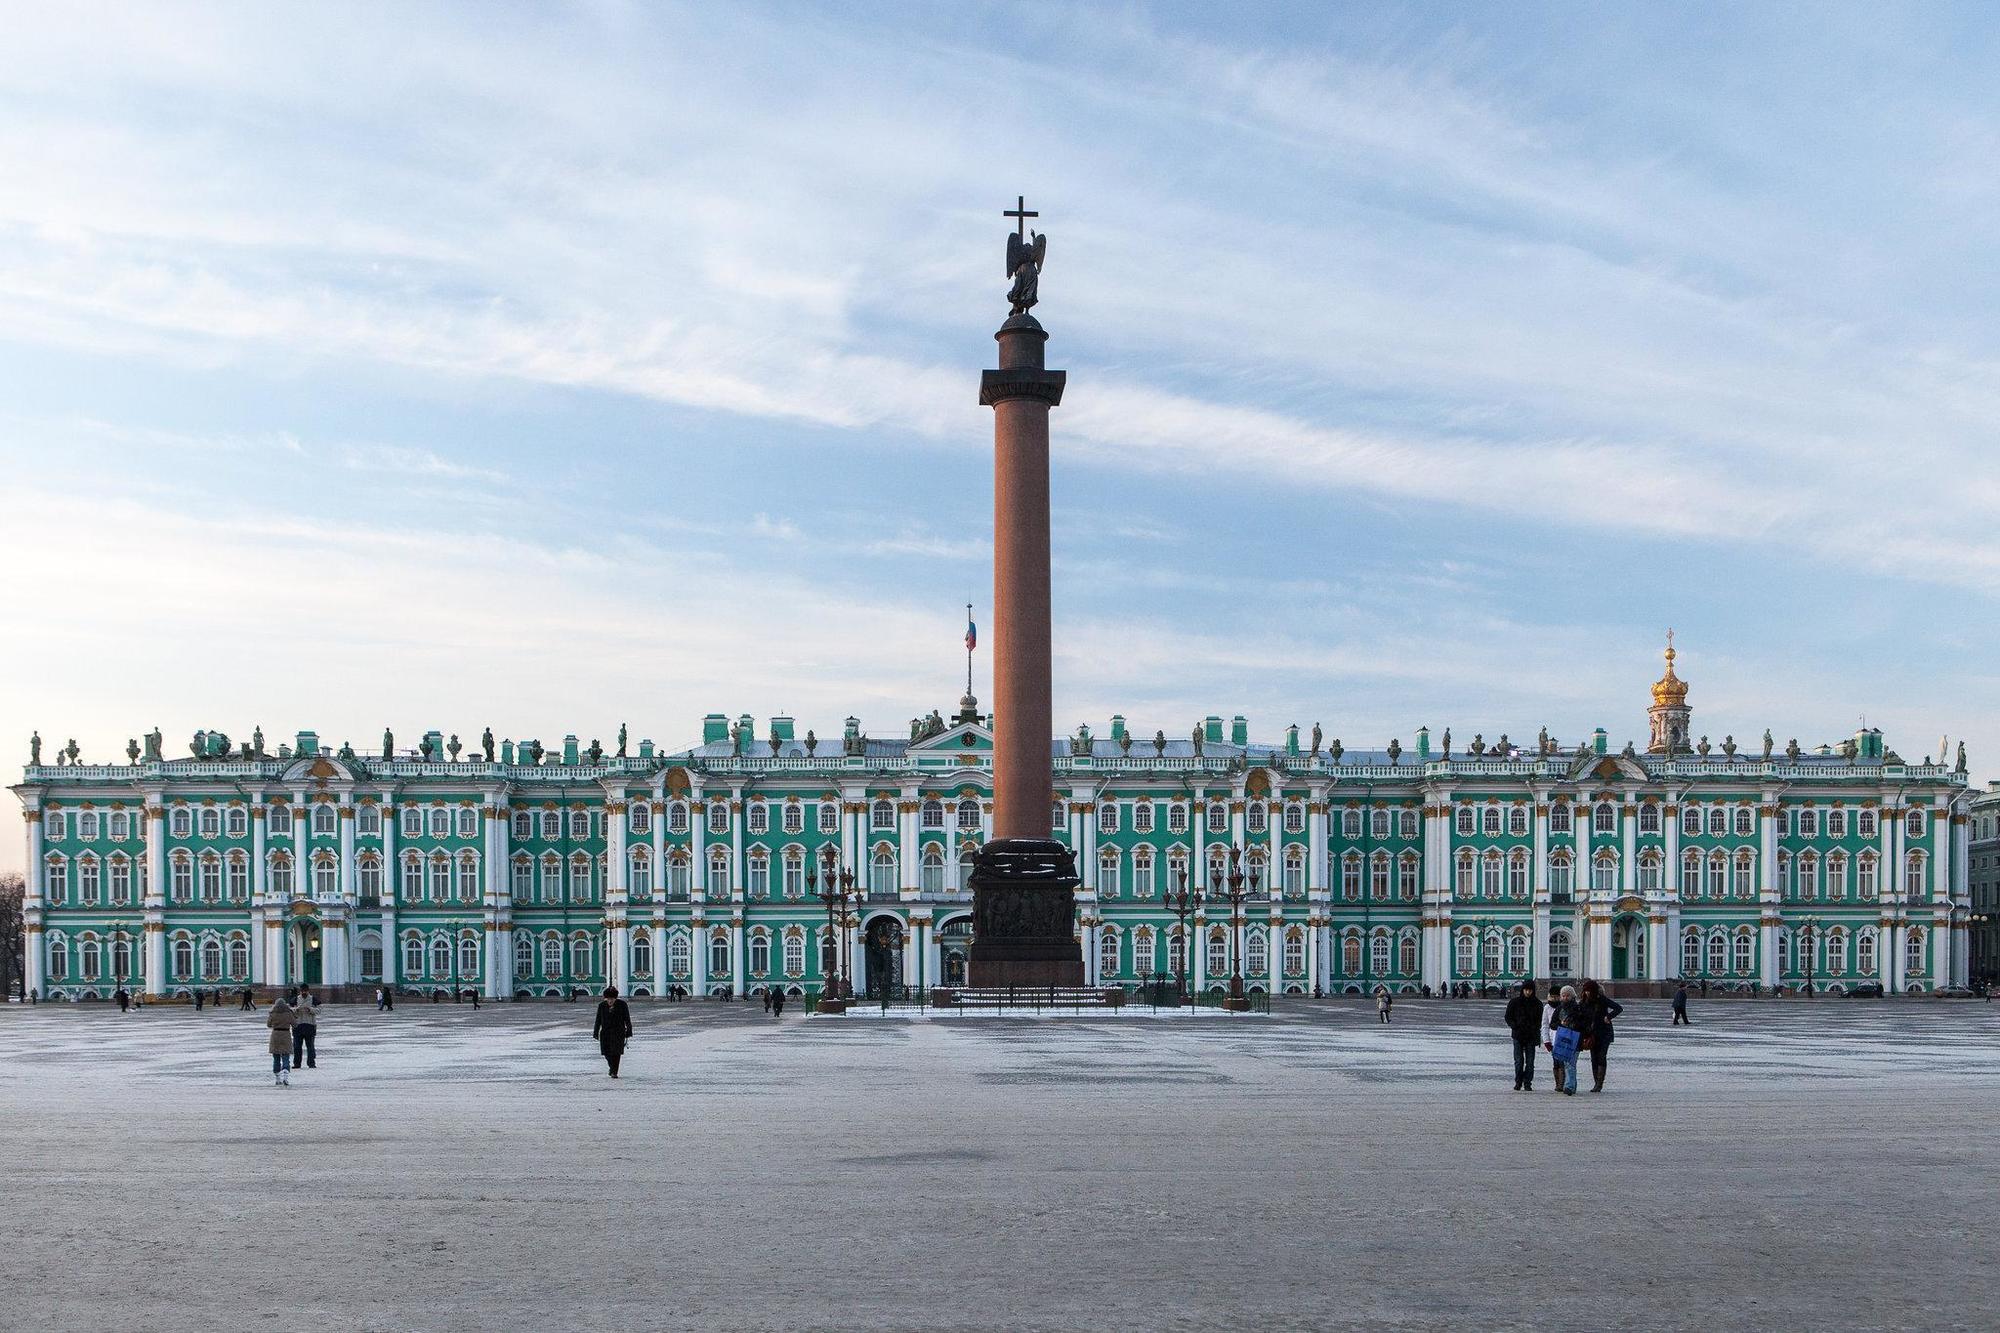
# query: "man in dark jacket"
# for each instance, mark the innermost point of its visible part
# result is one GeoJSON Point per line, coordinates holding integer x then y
{"type": "Point", "coordinates": [612, 1028]}
{"type": "Point", "coordinates": [1681, 1006]}
{"type": "Point", "coordinates": [1598, 1009]}
{"type": "Point", "coordinates": [1524, 1021]}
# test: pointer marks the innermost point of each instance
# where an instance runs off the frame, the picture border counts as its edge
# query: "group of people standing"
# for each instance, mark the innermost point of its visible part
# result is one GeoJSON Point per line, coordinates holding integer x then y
{"type": "Point", "coordinates": [294, 1025]}
{"type": "Point", "coordinates": [1569, 1023]}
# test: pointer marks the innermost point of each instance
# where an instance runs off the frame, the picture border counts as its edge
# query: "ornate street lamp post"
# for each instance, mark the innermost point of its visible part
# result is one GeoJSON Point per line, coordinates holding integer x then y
{"type": "Point", "coordinates": [1185, 902]}
{"type": "Point", "coordinates": [829, 1000]}
{"type": "Point", "coordinates": [1810, 929]}
{"type": "Point", "coordinates": [1237, 999]}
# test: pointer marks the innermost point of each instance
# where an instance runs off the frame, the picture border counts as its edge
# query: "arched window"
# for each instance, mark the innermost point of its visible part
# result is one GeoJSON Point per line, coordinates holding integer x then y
{"type": "Point", "coordinates": [795, 952]}
{"type": "Point", "coordinates": [579, 825]}
{"type": "Point", "coordinates": [1464, 824]}
{"type": "Point", "coordinates": [1467, 870]}
{"type": "Point", "coordinates": [1517, 874]}
{"type": "Point", "coordinates": [1107, 817]}
{"type": "Point", "coordinates": [1836, 951]}
{"type": "Point", "coordinates": [552, 878]}
{"type": "Point", "coordinates": [639, 871]}
{"type": "Point", "coordinates": [121, 880]}
{"type": "Point", "coordinates": [1467, 960]}
{"type": "Point", "coordinates": [1378, 952]}
{"type": "Point", "coordinates": [1489, 879]}
{"type": "Point", "coordinates": [1864, 953]}
{"type": "Point", "coordinates": [760, 953]}
{"type": "Point", "coordinates": [239, 957]}
{"type": "Point", "coordinates": [1718, 873]}
{"type": "Point", "coordinates": [583, 956]}
{"type": "Point", "coordinates": [181, 878]}
{"type": "Point", "coordinates": [582, 879]}
{"type": "Point", "coordinates": [468, 877]}
{"type": "Point", "coordinates": [468, 821]}
{"type": "Point", "coordinates": [440, 877]}
{"type": "Point", "coordinates": [1143, 881]}
{"type": "Point", "coordinates": [551, 823]}
{"type": "Point", "coordinates": [1690, 951]}
{"type": "Point", "coordinates": [1864, 823]}
{"type": "Point", "coordinates": [1559, 953]}
{"type": "Point", "coordinates": [1746, 951]}
{"type": "Point", "coordinates": [1408, 823]}
{"type": "Point", "coordinates": [1176, 952]}
{"type": "Point", "coordinates": [1718, 952]}
{"type": "Point", "coordinates": [1490, 949]}
{"type": "Point", "coordinates": [1350, 876]}
{"type": "Point", "coordinates": [1649, 871]}
{"type": "Point", "coordinates": [1489, 823]}
{"type": "Point", "coordinates": [325, 874]}
{"type": "Point", "coordinates": [440, 957]}
{"type": "Point", "coordinates": [239, 876]}
{"type": "Point", "coordinates": [88, 879]}
{"type": "Point", "coordinates": [1177, 817]}
{"type": "Point", "coordinates": [1256, 954]}
{"type": "Point", "coordinates": [1718, 821]}
{"type": "Point", "coordinates": [1559, 819]}
{"type": "Point", "coordinates": [1913, 952]}
{"type": "Point", "coordinates": [1690, 821]}
{"type": "Point", "coordinates": [1350, 956]}
{"type": "Point", "coordinates": [524, 954]}
{"type": "Point", "coordinates": [679, 874]}
{"type": "Point", "coordinates": [758, 873]}
{"type": "Point", "coordinates": [413, 956]}
{"type": "Point", "coordinates": [468, 957]}
{"type": "Point", "coordinates": [1604, 872]}
{"type": "Point", "coordinates": [718, 956]}
{"type": "Point", "coordinates": [1913, 824]}
{"type": "Point", "coordinates": [968, 815]}
{"type": "Point", "coordinates": [1295, 817]}
{"type": "Point", "coordinates": [1867, 882]}
{"type": "Point", "coordinates": [1836, 875]}
{"type": "Point", "coordinates": [1517, 821]}
{"type": "Point", "coordinates": [1107, 953]}
{"type": "Point", "coordinates": [1517, 954]}
{"type": "Point", "coordinates": [759, 817]}
{"type": "Point", "coordinates": [552, 956]}
{"type": "Point", "coordinates": [882, 815]}
{"type": "Point", "coordinates": [87, 960]}
{"type": "Point", "coordinates": [1408, 875]}
{"type": "Point", "coordinates": [368, 820]}
{"type": "Point", "coordinates": [1407, 952]}
{"type": "Point", "coordinates": [1107, 872]}
{"type": "Point", "coordinates": [829, 816]}
{"type": "Point", "coordinates": [1808, 823]}
{"type": "Point", "coordinates": [121, 826]}
{"type": "Point", "coordinates": [211, 960]}
{"type": "Point", "coordinates": [1690, 874]}
{"type": "Point", "coordinates": [639, 818]}
{"type": "Point", "coordinates": [1606, 818]}
{"type": "Point", "coordinates": [280, 820]}
{"type": "Point", "coordinates": [1295, 952]}
{"type": "Point", "coordinates": [718, 873]}
{"type": "Point", "coordinates": [795, 869]}
{"type": "Point", "coordinates": [322, 820]}
{"type": "Point", "coordinates": [932, 813]}
{"type": "Point", "coordinates": [882, 870]}
{"type": "Point", "coordinates": [1913, 874]}
{"type": "Point", "coordinates": [1218, 952]}
{"type": "Point", "coordinates": [440, 824]}
{"type": "Point", "coordinates": [1649, 818]}
{"type": "Point", "coordinates": [677, 817]}
{"type": "Point", "coordinates": [931, 877]}
{"type": "Point", "coordinates": [1742, 875]}
{"type": "Point", "coordinates": [1295, 871]}
{"type": "Point", "coordinates": [211, 822]}
{"type": "Point", "coordinates": [281, 874]}
{"type": "Point", "coordinates": [183, 958]}
{"type": "Point", "coordinates": [1562, 877]}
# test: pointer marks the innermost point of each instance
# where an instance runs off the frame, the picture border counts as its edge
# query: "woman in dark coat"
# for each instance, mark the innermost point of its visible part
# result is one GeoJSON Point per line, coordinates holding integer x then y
{"type": "Point", "coordinates": [613, 1027]}
{"type": "Point", "coordinates": [1598, 1011]}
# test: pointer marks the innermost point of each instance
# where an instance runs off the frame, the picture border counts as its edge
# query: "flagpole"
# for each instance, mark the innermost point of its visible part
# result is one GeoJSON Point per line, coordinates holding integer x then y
{"type": "Point", "coordinates": [968, 649]}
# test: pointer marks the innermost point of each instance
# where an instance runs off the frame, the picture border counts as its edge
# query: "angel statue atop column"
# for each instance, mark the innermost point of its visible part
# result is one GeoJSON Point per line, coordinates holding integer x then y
{"type": "Point", "coordinates": [1024, 266]}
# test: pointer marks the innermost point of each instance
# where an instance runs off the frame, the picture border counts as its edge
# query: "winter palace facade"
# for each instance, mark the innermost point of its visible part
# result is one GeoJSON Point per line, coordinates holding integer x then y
{"type": "Point", "coordinates": [528, 871]}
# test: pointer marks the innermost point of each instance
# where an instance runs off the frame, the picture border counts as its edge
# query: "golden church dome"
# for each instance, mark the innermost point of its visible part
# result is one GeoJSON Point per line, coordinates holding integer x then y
{"type": "Point", "coordinates": [1669, 689]}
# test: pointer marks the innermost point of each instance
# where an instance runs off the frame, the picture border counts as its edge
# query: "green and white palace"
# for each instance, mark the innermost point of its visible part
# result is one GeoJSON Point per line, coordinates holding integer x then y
{"type": "Point", "coordinates": [528, 871]}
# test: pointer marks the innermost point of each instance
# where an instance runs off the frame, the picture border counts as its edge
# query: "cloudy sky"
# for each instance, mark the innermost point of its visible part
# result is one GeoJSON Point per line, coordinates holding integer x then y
{"type": "Point", "coordinates": [552, 367]}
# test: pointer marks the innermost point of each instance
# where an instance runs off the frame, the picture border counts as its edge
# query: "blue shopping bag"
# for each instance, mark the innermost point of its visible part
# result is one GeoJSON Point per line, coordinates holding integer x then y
{"type": "Point", "coordinates": [1565, 1044]}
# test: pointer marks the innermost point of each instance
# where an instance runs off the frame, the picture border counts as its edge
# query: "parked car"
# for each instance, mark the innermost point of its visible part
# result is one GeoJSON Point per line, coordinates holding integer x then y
{"type": "Point", "coordinates": [1871, 990]}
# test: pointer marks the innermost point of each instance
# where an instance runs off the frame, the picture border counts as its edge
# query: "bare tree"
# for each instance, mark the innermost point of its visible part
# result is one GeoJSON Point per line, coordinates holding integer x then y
{"type": "Point", "coordinates": [13, 961]}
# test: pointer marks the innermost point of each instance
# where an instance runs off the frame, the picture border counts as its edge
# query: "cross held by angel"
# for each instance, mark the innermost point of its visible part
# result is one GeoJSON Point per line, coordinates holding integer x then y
{"type": "Point", "coordinates": [1025, 252]}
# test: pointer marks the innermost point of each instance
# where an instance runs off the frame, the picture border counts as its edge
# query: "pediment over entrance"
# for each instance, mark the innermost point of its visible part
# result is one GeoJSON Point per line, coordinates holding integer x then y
{"type": "Point", "coordinates": [1606, 768]}
{"type": "Point", "coordinates": [965, 738]}
{"type": "Point", "coordinates": [318, 769]}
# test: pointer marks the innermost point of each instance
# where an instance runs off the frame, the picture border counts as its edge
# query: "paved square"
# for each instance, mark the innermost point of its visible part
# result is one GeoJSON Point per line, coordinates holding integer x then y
{"type": "Point", "coordinates": [1779, 1165]}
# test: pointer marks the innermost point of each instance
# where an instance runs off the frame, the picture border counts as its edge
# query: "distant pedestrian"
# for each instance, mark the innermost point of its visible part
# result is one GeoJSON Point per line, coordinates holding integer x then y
{"type": "Point", "coordinates": [1566, 1038]}
{"type": "Point", "coordinates": [124, 998]}
{"type": "Point", "coordinates": [1524, 1022]}
{"type": "Point", "coordinates": [389, 998]}
{"type": "Point", "coordinates": [1681, 1006]}
{"type": "Point", "coordinates": [280, 1023]}
{"type": "Point", "coordinates": [473, 991]}
{"type": "Point", "coordinates": [777, 1003]}
{"type": "Point", "coordinates": [380, 991]}
{"type": "Point", "coordinates": [1382, 1003]}
{"type": "Point", "coordinates": [769, 991]}
{"type": "Point", "coordinates": [249, 1001]}
{"type": "Point", "coordinates": [197, 1001]}
{"type": "Point", "coordinates": [1599, 1009]}
{"type": "Point", "coordinates": [612, 1028]}
{"type": "Point", "coordinates": [305, 1031]}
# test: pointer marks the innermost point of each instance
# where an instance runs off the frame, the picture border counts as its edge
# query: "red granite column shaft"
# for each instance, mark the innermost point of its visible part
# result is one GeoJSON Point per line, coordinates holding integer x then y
{"type": "Point", "coordinates": [1023, 788]}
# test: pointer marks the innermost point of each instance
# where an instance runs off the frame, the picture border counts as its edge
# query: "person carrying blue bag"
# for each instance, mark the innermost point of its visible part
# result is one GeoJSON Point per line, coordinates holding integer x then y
{"type": "Point", "coordinates": [1566, 1039]}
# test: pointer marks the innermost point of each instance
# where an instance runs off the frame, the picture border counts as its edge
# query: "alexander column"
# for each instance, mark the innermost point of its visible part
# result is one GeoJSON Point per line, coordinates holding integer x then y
{"type": "Point", "coordinates": [1024, 882]}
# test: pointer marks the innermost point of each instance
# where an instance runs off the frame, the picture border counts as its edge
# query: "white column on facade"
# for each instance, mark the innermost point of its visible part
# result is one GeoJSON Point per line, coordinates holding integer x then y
{"type": "Point", "coordinates": [933, 956]}
{"type": "Point", "coordinates": [1198, 827]}
{"type": "Point", "coordinates": [1538, 889]}
{"type": "Point", "coordinates": [1961, 893]}
{"type": "Point", "coordinates": [260, 911]}
{"type": "Point", "coordinates": [392, 883]}
{"type": "Point", "coordinates": [1083, 834]}
{"type": "Point", "coordinates": [739, 880]}
{"type": "Point", "coordinates": [1769, 909]}
{"type": "Point", "coordinates": [1582, 963]}
{"type": "Point", "coordinates": [697, 857]}
{"type": "Point", "coordinates": [617, 930]}
{"type": "Point", "coordinates": [1628, 844]}
{"type": "Point", "coordinates": [909, 864]}
{"type": "Point", "coordinates": [500, 896]}
{"type": "Point", "coordinates": [34, 973]}
{"type": "Point", "coordinates": [698, 956]}
{"type": "Point", "coordinates": [857, 956]}
{"type": "Point", "coordinates": [156, 897]}
{"type": "Point", "coordinates": [1198, 951]}
{"type": "Point", "coordinates": [739, 981]}
{"type": "Point", "coordinates": [1941, 894]}
{"type": "Point", "coordinates": [344, 872]}
{"type": "Point", "coordinates": [1316, 842]}
{"type": "Point", "coordinates": [1889, 888]}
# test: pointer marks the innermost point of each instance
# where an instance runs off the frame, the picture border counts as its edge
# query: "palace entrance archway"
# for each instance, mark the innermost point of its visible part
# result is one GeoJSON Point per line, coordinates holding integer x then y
{"type": "Point", "coordinates": [884, 942]}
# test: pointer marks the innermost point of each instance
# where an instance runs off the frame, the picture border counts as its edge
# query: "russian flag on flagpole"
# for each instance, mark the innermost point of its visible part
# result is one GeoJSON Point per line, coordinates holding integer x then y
{"type": "Point", "coordinates": [971, 635]}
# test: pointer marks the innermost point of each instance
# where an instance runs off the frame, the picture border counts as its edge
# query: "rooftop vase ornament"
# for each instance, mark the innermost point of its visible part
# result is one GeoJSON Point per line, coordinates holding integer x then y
{"type": "Point", "coordinates": [1159, 743]}
{"type": "Point", "coordinates": [454, 747]}
{"type": "Point", "coordinates": [1792, 749]}
{"type": "Point", "coordinates": [1729, 746]}
{"type": "Point", "coordinates": [1125, 743]}
{"type": "Point", "coordinates": [1395, 751]}
{"type": "Point", "coordinates": [1478, 744]}
{"type": "Point", "coordinates": [1503, 747]}
{"type": "Point", "coordinates": [596, 752]}
{"type": "Point", "coordinates": [1703, 747]}
{"type": "Point", "coordinates": [1336, 750]}
{"type": "Point", "coordinates": [424, 748]}
{"type": "Point", "coordinates": [132, 751]}
{"type": "Point", "coordinates": [71, 751]}
{"type": "Point", "coordinates": [812, 742]}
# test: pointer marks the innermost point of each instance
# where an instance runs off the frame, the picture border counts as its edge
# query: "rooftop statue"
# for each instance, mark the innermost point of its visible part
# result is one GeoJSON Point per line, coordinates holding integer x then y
{"type": "Point", "coordinates": [35, 749]}
{"type": "Point", "coordinates": [486, 743]}
{"type": "Point", "coordinates": [257, 742]}
{"type": "Point", "coordinates": [1316, 738]}
{"type": "Point", "coordinates": [388, 743]}
{"type": "Point", "coordinates": [1767, 742]}
{"type": "Point", "coordinates": [1198, 740]}
{"type": "Point", "coordinates": [153, 742]}
{"type": "Point", "coordinates": [812, 742]}
{"type": "Point", "coordinates": [621, 742]}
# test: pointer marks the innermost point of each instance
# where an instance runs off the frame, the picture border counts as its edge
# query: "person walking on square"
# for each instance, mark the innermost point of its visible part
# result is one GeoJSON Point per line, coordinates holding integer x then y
{"type": "Point", "coordinates": [1598, 1011]}
{"type": "Point", "coordinates": [280, 1022]}
{"type": "Point", "coordinates": [777, 1003]}
{"type": "Point", "coordinates": [612, 1028]}
{"type": "Point", "coordinates": [249, 1001]}
{"type": "Point", "coordinates": [1382, 1003]}
{"type": "Point", "coordinates": [1524, 1023]}
{"type": "Point", "coordinates": [305, 1032]}
{"type": "Point", "coordinates": [124, 998]}
{"type": "Point", "coordinates": [1681, 1006]}
{"type": "Point", "coordinates": [197, 1001]}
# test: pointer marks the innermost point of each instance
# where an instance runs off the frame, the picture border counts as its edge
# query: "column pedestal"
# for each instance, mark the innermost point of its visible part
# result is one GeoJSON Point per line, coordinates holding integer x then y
{"type": "Point", "coordinates": [1024, 915]}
